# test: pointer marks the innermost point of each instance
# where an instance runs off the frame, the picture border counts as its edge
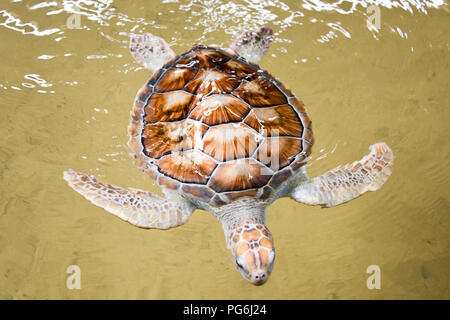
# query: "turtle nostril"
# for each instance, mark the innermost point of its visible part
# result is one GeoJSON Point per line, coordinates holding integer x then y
{"type": "Point", "coordinates": [260, 277]}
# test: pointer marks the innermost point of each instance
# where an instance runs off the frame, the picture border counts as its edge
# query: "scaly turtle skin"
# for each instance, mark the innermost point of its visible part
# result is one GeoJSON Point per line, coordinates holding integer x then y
{"type": "Point", "coordinates": [216, 132]}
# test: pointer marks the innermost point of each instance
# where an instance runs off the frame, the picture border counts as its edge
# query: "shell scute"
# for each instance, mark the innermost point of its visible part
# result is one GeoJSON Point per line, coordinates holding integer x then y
{"type": "Point", "coordinates": [202, 57]}
{"type": "Point", "coordinates": [297, 104]}
{"type": "Point", "coordinates": [280, 177]}
{"type": "Point", "coordinates": [265, 193]}
{"type": "Point", "coordinates": [231, 196]}
{"type": "Point", "coordinates": [160, 139]}
{"type": "Point", "coordinates": [230, 141]}
{"type": "Point", "coordinates": [134, 128]}
{"type": "Point", "coordinates": [308, 137]}
{"type": "Point", "coordinates": [190, 166]}
{"type": "Point", "coordinates": [275, 121]}
{"type": "Point", "coordinates": [144, 93]}
{"type": "Point", "coordinates": [199, 191]}
{"type": "Point", "coordinates": [175, 79]}
{"type": "Point", "coordinates": [169, 106]}
{"type": "Point", "coordinates": [239, 175]}
{"type": "Point", "coordinates": [135, 144]}
{"type": "Point", "coordinates": [285, 89]}
{"type": "Point", "coordinates": [279, 152]}
{"type": "Point", "coordinates": [217, 200]}
{"type": "Point", "coordinates": [217, 109]}
{"type": "Point", "coordinates": [210, 81]}
{"type": "Point", "coordinates": [163, 181]}
{"type": "Point", "coordinates": [151, 172]}
{"type": "Point", "coordinates": [299, 161]}
{"type": "Point", "coordinates": [238, 68]}
{"type": "Point", "coordinates": [137, 110]}
{"type": "Point", "coordinates": [260, 92]}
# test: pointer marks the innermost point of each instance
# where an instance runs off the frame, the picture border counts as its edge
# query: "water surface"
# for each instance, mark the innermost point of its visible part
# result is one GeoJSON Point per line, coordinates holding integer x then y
{"type": "Point", "coordinates": [65, 97]}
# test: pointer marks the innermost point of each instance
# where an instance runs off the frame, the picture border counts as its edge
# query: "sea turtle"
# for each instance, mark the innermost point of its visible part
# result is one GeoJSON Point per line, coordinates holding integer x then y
{"type": "Point", "coordinates": [218, 133]}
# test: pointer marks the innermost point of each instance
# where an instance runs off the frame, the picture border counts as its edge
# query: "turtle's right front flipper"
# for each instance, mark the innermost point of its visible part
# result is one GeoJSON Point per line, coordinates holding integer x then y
{"type": "Point", "coordinates": [140, 208]}
{"type": "Point", "coordinates": [345, 183]}
{"type": "Point", "coordinates": [253, 44]}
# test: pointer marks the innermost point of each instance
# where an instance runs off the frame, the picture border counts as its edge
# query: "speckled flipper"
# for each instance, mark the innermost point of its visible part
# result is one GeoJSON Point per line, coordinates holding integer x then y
{"type": "Point", "coordinates": [150, 51]}
{"type": "Point", "coordinates": [345, 183]}
{"type": "Point", "coordinates": [253, 44]}
{"type": "Point", "coordinates": [140, 208]}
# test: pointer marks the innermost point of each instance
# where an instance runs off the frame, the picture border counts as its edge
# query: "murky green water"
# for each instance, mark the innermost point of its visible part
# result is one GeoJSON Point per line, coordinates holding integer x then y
{"type": "Point", "coordinates": [65, 97]}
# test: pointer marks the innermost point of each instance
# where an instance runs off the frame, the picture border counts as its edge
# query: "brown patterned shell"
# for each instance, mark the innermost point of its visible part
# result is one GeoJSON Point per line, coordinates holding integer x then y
{"type": "Point", "coordinates": [215, 126]}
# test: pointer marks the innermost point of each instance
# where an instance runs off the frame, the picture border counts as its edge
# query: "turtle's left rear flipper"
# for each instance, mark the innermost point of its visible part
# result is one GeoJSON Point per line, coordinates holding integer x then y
{"type": "Point", "coordinates": [140, 208]}
{"type": "Point", "coordinates": [345, 183]}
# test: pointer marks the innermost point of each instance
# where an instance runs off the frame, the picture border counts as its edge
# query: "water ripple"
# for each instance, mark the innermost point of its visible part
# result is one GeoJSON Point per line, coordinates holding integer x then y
{"type": "Point", "coordinates": [13, 23]}
{"type": "Point", "coordinates": [206, 16]}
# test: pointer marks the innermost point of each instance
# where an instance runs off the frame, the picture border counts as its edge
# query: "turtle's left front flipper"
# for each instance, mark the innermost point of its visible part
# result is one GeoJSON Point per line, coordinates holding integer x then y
{"type": "Point", "coordinates": [140, 208]}
{"type": "Point", "coordinates": [345, 183]}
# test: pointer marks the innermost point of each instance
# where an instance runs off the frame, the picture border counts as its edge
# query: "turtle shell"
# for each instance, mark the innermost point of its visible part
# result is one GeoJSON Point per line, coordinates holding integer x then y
{"type": "Point", "coordinates": [219, 128]}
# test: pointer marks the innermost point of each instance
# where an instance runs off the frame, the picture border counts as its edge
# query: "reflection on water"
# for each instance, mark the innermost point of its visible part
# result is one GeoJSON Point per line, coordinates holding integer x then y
{"type": "Point", "coordinates": [205, 15]}
{"type": "Point", "coordinates": [67, 85]}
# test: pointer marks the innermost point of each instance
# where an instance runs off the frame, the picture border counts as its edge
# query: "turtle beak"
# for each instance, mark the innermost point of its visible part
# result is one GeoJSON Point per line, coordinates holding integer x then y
{"type": "Point", "coordinates": [256, 265]}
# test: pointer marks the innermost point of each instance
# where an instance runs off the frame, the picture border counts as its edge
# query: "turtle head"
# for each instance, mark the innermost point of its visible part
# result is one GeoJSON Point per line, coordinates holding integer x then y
{"type": "Point", "coordinates": [252, 248]}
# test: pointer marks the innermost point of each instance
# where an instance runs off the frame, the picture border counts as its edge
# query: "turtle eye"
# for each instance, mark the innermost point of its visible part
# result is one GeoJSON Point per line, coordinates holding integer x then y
{"type": "Point", "coordinates": [239, 265]}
